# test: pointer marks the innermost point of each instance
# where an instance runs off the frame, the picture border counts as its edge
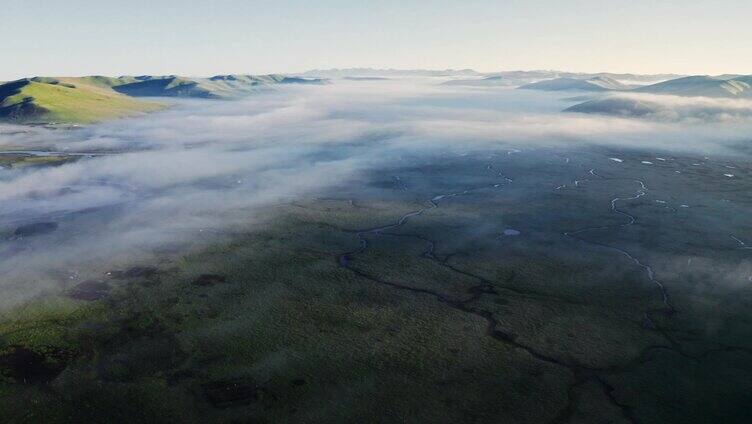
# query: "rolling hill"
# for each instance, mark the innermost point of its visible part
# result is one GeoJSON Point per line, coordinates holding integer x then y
{"type": "Point", "coordinates": [599, 83]}
{"type": "Point", "coordinates": [667, 108]}
{"type": "Point", "coordinates": [90, 99]}
{"type": "Point", "coordinates": [521, 78]}
{"type": "Point", "coordinates": [217, 87]}
{"type": "Point", "coordinates": [617, 106]}
{"type": "Point", "coordinates": [66, 100]}
{"type": "Point", "coordinates": [724, 86]}
{"type": "Point", "coordinates": [703, 86]}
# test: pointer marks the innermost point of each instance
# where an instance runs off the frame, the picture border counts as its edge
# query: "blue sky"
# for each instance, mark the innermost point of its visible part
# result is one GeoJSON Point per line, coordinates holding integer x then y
{"type": "Point", "coordinates": [77, 37]}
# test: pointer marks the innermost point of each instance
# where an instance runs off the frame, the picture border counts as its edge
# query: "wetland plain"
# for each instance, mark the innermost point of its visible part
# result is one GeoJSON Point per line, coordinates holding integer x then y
{"type": "Point", "coordinates": [377, 251]}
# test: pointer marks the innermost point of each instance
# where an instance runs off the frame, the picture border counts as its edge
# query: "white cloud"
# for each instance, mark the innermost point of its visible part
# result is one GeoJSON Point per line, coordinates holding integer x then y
{"type": "Point", "coordinates": [212, 164]}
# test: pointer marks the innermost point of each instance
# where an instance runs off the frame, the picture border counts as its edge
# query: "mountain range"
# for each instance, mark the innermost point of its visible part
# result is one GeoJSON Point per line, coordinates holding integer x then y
{"type": "Point", "coordinates": [520, 78]}
{"type": "Point", "coordinates": [96, 98]}
{"type": "Point", "coordinates": [388, 73]}
{"type": "Point", "coordinates": [696, 97]}
{"type": "Point", "coordinates": [704, 86]}
{"type": "Point", "coordinates": [728, 86]}
{"type": "Point", "coordinates": [599, 83]}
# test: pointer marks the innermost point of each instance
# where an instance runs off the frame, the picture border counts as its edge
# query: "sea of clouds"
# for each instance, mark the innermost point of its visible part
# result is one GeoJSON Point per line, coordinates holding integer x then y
{"type": "Point", "coordinates": [205, 165]}
{"type": "Point", "coordinates": [677, 109]}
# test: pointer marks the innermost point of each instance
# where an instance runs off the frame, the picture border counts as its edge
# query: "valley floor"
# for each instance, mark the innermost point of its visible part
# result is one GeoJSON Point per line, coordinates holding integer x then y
{"type": "Point", "coordinates": [505, 285]}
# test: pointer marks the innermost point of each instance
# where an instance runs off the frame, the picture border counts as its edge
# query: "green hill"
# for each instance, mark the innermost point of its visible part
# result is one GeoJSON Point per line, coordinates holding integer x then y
{"type": "Point", "coordinates": [97, 98]}
{"type": "Point", "coordinates": [66, 100]}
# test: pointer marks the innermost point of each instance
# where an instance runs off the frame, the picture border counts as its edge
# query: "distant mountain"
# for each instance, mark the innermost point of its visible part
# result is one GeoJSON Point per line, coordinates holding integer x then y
{"type": "Point", "coordinates": [386, 73]}
{"type": "Point", "coordinates": [729, 76]}
{"type": "Point", "coordinates": [69, 100]}
{"type": "Point", "coordinates": [520, 78]}
{"type": "Point", "coordinates": [491, 81]}
{"type": "Point", "coordinates": [703, 86]}
{"type": "Point", "coordinates": [731, 86]}
{"type": "Point", "coordinates": [599, 83]}
{"type": "Point", "coordinates": [366, 78]}
{"type": "Point", "coordinates": [637, 78]}
{"type": "Point", "coordinates": [512, 77]}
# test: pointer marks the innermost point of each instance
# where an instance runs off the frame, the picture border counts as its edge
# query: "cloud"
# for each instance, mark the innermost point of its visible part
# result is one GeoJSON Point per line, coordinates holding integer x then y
{"type": "Point", "coordinates": [664, 108]}
{"type": "Point", "coordinates": [204, 166]}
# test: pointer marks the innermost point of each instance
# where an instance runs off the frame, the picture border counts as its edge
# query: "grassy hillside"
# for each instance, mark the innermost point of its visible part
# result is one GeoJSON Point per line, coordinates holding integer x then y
{"type": "Point", "coordinates": [68, 100]}
{"type": "Point", "coordinates": [102, 81]}
{"type": "Point", "coordinates": [97, 98]}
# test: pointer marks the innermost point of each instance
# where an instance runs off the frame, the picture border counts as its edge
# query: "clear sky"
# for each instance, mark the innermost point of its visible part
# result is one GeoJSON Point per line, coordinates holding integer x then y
{"type": "Point", "coordinates": [77, 37]}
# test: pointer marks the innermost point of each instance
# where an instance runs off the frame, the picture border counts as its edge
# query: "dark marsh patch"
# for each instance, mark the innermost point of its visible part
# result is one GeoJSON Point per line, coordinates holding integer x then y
{"type": "Point", "coordinates": [89, 290]}
{"type": "Point", "coordinates": [27, 366]}
{"type": "Point", "coordinates": [36, 228]}
{"type": "Point", "coordinates": [234, 392]}
{"type": "Point", "coordinates": [205, 280]}
{"type": "Point", "coordinates": [135, 272]}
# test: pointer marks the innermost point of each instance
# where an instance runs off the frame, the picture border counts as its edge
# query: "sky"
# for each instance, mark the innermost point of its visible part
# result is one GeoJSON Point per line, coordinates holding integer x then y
{"type": "Point", "coordinates": [201, 38]}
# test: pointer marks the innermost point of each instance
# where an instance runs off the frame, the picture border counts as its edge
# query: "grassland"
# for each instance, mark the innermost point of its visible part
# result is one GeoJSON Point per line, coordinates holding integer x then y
{"type": "Point", "coordinates": [67, 100]}
{"type": "Point", "coordinates": [19, 161]}
{"type": "Point", "coordinates": [441, 317]}
{"type": "Point", "coordinates": [83, 100]}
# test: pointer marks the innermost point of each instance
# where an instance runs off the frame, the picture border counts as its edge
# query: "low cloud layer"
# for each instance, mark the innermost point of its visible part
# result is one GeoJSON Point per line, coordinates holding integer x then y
{"type": "Point", "coordinates": [663, 108]}
{"type": "Point", "coordinates": [207, 165]}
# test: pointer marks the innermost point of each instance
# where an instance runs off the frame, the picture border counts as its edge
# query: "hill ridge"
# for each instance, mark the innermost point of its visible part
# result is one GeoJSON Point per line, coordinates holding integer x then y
{"type": "Point", "coordinates": [95, 98]}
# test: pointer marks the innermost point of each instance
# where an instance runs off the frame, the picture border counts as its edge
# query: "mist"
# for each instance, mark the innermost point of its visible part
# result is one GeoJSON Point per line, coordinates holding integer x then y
{"type": "Point", "coordinates": [666, 108]}
{"type": "Point", "coordinates": [205, 167]}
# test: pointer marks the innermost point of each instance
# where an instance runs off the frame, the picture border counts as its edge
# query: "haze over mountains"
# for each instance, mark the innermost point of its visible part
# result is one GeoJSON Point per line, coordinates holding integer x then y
{"type": "Point", "coordinates": [472, 77]}
{"type": "Point", "coordinates": [695, 97]}
{"type": "Point", "coordinates": [667, 108]}
{"type": "Point", "coordinates": [96, 98]}
{"type": "Point", "coordinates": [705, 86]}
{"type": "Point", "coordinates": [728, 86]}
{"type": "Point", "coordinates": [599, 83]}
{"type": "Point", "coordinates": [385, 73]}
{"type": "Point", "coordinates": [520, 78]}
